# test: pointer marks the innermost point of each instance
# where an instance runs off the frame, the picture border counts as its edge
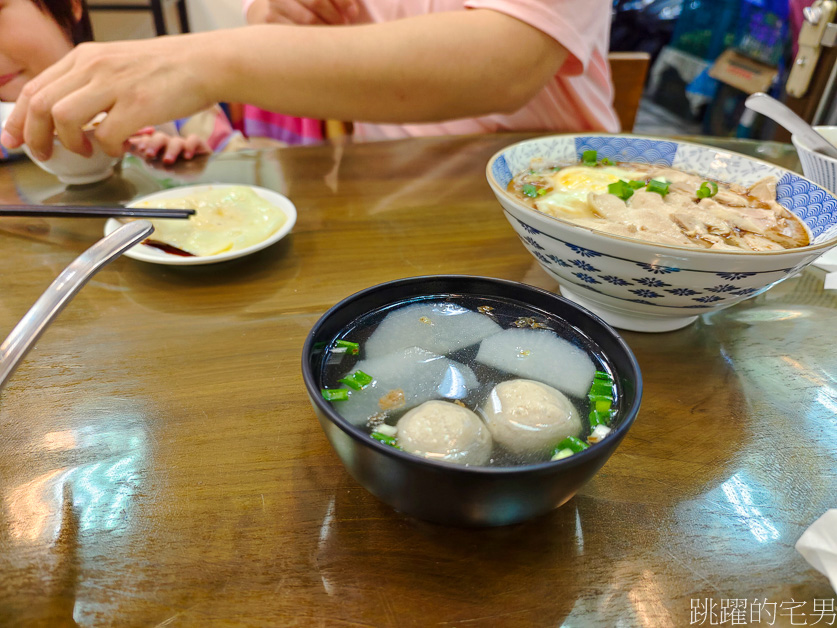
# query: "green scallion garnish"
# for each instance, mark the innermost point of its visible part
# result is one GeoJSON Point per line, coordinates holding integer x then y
{"type": "Point", "coordinates": [636, 184]}
{"type": "Point", "coordinates": [560, 455]}
{"type": "Point", "coordinates": [601, 399]}
{"type": "Point", "coordinates": [606, 161]}
{"type": "Point", "coordinates": [357, 380]}
{"type": "Point", "coordinates": [350, 347]}
{"type": "Point", "coordinates": [660, 187]}
{"type": "Point", "coordinates": [386, 439]}
{"type": "Point", "coordinates": [598, 418]}
{"type": "Point", "coordinates": [707, 189]}
{"type": "Point", "coordinates": [530, 189]}
{"type": "Point", "coordinates": [335, 394]}
{"type": "Point", "coordinates": [589, 157]}
{"type": "Point", "coordinates": [572, 443]}
{"type": "Point", "coordinates": [620, 188]}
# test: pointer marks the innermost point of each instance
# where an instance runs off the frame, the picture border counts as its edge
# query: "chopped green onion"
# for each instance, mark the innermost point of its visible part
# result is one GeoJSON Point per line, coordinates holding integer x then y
{"type": "Point", "coordinates": [589, 157]}
{"type": "Point", "coordinates": [599, 418]}
{"type": "Point", "coordinates": [660, 187]}
{"type": "Point", "coordinates": [386, 439]}
{"type": "Point", "coordinates": [621, 189]}
{"type": "Point", "coordinates": [335, 394]}
{"type": "Point", "coordinates": [606, 161]}
{"type": "Point", "coordinates": [357, 380]}
{"type": "Point", "coordinates": [601, 399]}
{"type": "Point", "coordinates": [707, 189]}
{"type": "Point", "coordinates": [351, 347]}
{"type": "Point", "coordinates": [572, 443]}
{"type": "Point", "coordinates": [542, 191]}
{"type": "Point", "coordinates": [530, 190]}
{"type": "Point", "coordinates": [560, 455]}
{"type": "Point", "coordinates": [601, 389]}
{"type": "Point", "coordinates": [636, 184]}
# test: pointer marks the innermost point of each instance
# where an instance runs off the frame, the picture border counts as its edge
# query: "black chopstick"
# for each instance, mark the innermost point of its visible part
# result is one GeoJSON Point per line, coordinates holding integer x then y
{"type": "Point", "coordinates": [92, 211]}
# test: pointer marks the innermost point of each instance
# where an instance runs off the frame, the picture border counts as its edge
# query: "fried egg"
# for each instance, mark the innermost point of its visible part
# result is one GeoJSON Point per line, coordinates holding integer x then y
{"type": "Point", "coordinates": [226, 219]}
{"type": "Point", "coordinates": [571, 186]}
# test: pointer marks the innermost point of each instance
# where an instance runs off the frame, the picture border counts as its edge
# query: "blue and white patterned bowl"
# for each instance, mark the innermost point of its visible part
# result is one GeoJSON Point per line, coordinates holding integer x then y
{"type": "Point", "coordinates": [643, 286]}
{"type": "Point", "coordinates": [820, 169]}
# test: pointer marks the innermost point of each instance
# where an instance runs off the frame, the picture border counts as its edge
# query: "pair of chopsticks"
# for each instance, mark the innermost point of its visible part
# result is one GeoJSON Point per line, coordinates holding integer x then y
{"type": "Point", "coordinates": [92, 211]}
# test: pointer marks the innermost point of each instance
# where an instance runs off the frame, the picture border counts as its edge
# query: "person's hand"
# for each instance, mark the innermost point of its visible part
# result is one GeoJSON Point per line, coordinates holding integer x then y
{"type": "Point", "coordinates": [151, 144]}
{"type": "Point", "coordinates": [311, 12]}
{"type": "Point", "coordinates": [138, 83]}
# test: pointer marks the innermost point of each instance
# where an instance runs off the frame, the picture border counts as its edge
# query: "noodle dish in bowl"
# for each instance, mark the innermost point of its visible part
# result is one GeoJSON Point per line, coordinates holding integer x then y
{"type": "Point", "coordinates": [650, 233]}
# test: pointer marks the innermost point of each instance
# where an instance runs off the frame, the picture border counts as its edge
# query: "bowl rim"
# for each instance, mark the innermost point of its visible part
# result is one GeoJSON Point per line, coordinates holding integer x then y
{"type": "Point", "coordinates": [539, 467]}
{"type": "Point", "coordinates": [799, 144]}
{"type": "Point", "coordinates": [673, 247]}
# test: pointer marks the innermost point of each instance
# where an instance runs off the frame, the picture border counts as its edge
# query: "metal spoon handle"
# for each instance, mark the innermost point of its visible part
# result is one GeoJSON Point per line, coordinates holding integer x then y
{"type": "Point", "coordinates": [784, 115]}
{"type": "Point", "coordinates": [63, 289]}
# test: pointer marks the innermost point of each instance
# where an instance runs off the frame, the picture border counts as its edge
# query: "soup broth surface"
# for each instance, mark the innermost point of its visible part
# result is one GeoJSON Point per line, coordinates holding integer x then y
{"type": "Point", "coordinates": [337, 362]}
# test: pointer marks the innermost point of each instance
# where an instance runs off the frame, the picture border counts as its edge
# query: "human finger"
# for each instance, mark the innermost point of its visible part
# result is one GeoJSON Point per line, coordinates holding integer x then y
{"type": "Point", "coordinates": [15, 125]}
{"type": "Point", "coordinates": [154, 144]}
{"type": "Point", "coordinates": [173, 149]}
{"type": "Point", "coordinates": [349, 9]}
{"type": "Point", "coordinates": [136, 144]}
{"type": "Point", "coordinates": [120, 124]}
{"type": "Point", "coordinates": [292, 12]}
{"type": "Point", "coordinates": [194, 145]}
{"type": "Point", "coordinates": [72, 113]}
{"type": "Point", "coordinates": [326, 10]}
{"type": "Point", "coordinates": [58, 101]}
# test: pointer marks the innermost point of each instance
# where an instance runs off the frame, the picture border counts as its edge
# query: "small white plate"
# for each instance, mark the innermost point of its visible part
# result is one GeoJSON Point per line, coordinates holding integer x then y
{"type": "Point", "coordinates": [154, 255]}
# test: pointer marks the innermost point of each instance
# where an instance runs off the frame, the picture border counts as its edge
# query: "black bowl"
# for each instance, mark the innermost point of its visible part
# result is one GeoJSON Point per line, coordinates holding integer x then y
{"type": "Point", "coordinates": [454, 494]}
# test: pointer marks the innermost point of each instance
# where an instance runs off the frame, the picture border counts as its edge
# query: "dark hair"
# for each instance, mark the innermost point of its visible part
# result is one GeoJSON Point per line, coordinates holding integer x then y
{"type": "Point", "coordinates": [62, 12]}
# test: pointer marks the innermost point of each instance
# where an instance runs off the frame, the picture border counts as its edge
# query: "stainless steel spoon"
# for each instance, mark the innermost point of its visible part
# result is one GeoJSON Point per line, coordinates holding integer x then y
{"type": "Point", "coordinates": [64, 288]}
{"type": "Point", "coordinates": [781, 113]}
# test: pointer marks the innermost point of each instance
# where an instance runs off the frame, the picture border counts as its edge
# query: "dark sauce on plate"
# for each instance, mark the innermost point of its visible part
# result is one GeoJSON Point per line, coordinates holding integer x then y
{"type": "Point", "coordinates": [168, 248]}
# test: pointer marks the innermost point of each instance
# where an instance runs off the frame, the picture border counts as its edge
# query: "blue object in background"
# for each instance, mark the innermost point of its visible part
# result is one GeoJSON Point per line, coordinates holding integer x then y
{"type": "Point", "coordinates": [706, 28]}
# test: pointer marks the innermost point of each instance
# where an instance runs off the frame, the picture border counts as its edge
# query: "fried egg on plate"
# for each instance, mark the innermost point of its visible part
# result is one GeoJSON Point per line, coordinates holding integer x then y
{"type": "Point", "coordinates": [571, 185]}
{"type": "Point", "coordinates": [229, 218]}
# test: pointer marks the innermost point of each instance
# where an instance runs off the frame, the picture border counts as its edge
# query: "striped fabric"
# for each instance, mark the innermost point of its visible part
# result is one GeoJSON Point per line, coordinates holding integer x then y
{"type": "Point", "coordinates": [260, 123]}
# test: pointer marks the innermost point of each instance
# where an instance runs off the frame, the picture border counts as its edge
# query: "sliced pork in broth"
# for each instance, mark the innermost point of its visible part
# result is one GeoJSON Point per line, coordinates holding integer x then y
{"type": "Point", "coordinates": [662, 204]}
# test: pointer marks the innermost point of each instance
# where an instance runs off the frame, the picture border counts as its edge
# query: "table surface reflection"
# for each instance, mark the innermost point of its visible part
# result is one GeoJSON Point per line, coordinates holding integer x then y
{"type": "Point", "coordinates": [160, 463]}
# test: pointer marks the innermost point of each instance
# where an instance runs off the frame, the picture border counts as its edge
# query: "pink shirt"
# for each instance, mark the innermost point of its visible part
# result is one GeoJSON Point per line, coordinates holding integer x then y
{"type": "Point", "coordinates": [578, 98]}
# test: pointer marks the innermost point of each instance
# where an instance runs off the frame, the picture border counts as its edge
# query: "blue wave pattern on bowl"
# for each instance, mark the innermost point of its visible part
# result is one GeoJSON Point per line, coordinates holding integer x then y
{"type": "Point", "coordinates": [618, 148]}
{"type": "Point", "coordinates": [811, 204]}
{"type": "Point", "coordinates": [649, 282]}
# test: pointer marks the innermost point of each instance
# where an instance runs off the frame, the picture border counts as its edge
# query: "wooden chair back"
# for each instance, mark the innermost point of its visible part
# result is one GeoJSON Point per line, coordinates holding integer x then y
{"type": "Point", "coordinates": [628, 71]}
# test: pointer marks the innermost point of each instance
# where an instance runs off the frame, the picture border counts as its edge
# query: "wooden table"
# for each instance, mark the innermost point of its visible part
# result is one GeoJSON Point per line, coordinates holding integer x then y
{"type": "Point", "coordinates": [160, 463]}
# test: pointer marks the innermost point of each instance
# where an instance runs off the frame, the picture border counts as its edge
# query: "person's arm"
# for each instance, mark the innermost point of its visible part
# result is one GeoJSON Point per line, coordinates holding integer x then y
{"type": "Point", "coordinates": [435, 67]}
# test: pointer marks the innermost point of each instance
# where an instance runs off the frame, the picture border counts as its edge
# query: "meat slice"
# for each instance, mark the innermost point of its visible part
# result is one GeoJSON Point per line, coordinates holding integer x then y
{"type": "Point", "coordinates": [764, 189]}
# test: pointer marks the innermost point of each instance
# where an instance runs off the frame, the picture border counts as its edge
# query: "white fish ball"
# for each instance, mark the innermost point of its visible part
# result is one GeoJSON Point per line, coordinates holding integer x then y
{"type": "Point", "coordinates": [529, 417]}
{"type": "Point", "coordinates": [442, 430]}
